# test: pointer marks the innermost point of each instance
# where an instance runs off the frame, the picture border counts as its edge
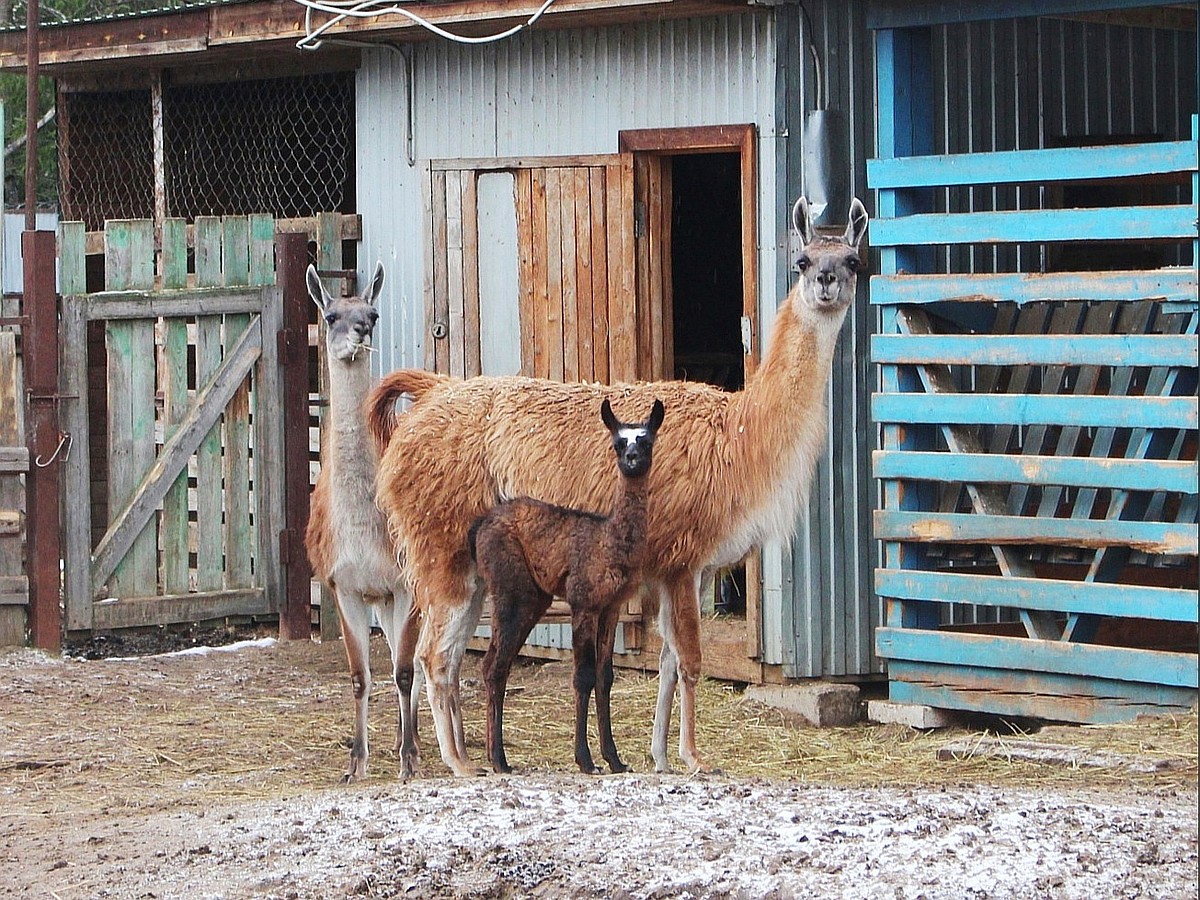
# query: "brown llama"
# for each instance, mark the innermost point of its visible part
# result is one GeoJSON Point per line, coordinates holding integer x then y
{"type": "Point", "coordinates": [528, 552]}
{"type": "Point", "coordinates": [733, 470]}
{"type": "Point", "coordinates": [347, 538]}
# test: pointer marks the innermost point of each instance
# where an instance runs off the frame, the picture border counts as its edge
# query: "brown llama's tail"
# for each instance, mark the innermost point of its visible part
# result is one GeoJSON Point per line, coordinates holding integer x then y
{"type": "Point", "coordinates": [380, 406]}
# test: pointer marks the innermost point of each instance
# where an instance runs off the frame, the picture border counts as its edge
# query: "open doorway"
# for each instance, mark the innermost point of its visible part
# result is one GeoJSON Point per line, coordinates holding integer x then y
{"type": "Point", "coordinates": [696, 190]}
{"type": "Point", "coordinates": [706, 269]}
{"type": "Point", "coordinates": [706, 298]}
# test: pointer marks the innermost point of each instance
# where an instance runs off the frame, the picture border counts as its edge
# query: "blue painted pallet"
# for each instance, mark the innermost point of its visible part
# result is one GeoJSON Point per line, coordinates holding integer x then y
{"type": "Point", "coordinates": [1076, 430]}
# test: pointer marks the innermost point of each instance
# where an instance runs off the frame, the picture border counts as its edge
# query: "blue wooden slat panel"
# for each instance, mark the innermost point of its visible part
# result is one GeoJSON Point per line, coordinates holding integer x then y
{"type": "Point", "coordinates": [1168, 539]}
{"type": "Point", "coordinates": [1135, 601]}
{"type": "Point", "coordinates": [1034, 409]}
{"type": "Point", "coordinates": [1065, 698]}
{"type": "Point", "coordinates": [1177, 476]}
{"type": "Point", "coordinates": [1056, 349]}
{"type": "Point", "coordinates": [1169, 285]}
{"type": "Point", "coordinates": [1034, 226]}
{"type": "Point", "coordinates": [1012, 166]}
{"type": "Point", "coordinates": [1061, 657]}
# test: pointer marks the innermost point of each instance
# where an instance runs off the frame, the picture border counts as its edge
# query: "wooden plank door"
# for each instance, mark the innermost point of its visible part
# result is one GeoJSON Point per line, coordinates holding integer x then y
{"type": "Point", "coordinates": [577, 304]}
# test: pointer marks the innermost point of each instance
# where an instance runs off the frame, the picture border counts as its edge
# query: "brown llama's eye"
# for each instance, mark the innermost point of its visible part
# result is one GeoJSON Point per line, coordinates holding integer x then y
{"type": "Point", "coordinates": [803, 263]}
{"type": "Point", "coordinates": [330, 318]}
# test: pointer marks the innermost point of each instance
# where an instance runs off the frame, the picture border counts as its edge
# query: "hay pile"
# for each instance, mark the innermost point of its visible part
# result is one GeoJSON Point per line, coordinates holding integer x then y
{"type": "Point", "coordinates": [158, 732]}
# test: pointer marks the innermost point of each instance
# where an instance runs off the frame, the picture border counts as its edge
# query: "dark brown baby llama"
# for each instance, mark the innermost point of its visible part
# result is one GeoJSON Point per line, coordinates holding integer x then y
{"type": "Point", "coordinates": [529, 552]}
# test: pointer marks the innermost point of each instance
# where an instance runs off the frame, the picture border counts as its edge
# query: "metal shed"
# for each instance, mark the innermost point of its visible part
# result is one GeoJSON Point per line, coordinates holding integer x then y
{"type": "Point", "coordinates": [643, 119]}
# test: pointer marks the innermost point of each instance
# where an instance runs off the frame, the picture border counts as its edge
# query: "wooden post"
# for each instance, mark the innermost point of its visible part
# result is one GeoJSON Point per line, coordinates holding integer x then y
{"type": "Point", "coordinates": [292, 259]}
{"type": "Point", "coordinates": [40, 346]}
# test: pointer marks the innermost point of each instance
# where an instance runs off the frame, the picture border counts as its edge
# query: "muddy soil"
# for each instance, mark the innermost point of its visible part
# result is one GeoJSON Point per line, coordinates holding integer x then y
{"type": "Point", "coordinates": [213, 773]}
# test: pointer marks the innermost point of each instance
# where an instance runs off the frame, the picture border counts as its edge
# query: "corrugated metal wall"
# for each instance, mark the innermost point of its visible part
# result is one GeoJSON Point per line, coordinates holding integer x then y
{"type": "Point", "coordinates": [571, 92]}
{"type": "Point", "coordinates": [829, 610]}
{"type": "Point", "coordinates": [1018, 84]}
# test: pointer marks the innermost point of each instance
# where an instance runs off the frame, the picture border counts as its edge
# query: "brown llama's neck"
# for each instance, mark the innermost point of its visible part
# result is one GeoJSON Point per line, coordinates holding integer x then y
{"type": "Point", "coordinates": [776, 426]}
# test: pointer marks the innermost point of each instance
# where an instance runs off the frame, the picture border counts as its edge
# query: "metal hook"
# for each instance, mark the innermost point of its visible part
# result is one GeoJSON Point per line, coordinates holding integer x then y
{"type": "Point", "coordinates": [64, 438]}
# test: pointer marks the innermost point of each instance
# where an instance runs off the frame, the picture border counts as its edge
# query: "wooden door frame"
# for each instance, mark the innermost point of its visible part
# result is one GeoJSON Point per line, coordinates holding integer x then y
{"type": "Point", "coordinates": [652, 145]}
{"type": "Point", "coordinates": [649, 147]}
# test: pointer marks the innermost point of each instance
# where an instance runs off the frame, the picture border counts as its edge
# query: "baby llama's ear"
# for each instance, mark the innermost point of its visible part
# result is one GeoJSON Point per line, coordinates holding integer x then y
{"type": "Point", "coordinates": [607, 417]}
{"type": "Point", "coordinates": [656, 416]}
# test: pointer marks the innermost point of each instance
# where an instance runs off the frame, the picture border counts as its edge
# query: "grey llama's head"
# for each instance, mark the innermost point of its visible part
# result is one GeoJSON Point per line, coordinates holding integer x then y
{"type": "Point", "coordinates": [349, 321]}
{"type": "Point", "coordinates": [829, 266]}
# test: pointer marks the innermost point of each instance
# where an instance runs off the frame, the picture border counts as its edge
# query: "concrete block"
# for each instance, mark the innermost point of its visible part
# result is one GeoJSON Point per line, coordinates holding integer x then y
{"type": "Point", "coordinates": [887, 712]}
{"type": "Point", "coordinates": [820, 703]}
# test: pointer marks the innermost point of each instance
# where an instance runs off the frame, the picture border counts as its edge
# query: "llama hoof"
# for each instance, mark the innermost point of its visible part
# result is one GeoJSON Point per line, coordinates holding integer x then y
{"type": "Point", "coordinates": [617, 767]}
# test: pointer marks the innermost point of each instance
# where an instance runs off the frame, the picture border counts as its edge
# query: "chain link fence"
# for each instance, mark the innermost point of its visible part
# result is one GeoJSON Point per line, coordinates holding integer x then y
{"type": "Point", "coordinates": [283, 146]}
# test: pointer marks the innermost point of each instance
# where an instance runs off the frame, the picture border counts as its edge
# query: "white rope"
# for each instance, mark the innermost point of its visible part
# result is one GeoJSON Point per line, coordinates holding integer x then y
{"type": "Point", "coordinates": [365, 9]}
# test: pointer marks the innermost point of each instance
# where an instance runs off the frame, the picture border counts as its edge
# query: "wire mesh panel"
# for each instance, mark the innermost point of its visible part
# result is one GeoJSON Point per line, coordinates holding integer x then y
{"type": "Point", "coordinates": [106, 157]}
{"type": "Point", "coordinates": [281, 145]}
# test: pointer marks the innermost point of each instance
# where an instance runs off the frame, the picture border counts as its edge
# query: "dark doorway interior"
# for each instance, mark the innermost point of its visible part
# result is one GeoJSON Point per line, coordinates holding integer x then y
{"type": "Point", "coordinates": [706, 268]}
{"type": "Point", "coordinates": [707, 300]}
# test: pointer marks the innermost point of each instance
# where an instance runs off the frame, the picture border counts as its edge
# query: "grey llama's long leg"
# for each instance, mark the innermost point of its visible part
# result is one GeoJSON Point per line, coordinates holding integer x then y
{"type": "Point", "coordinates": [356, 635]}
{"type": "Point", "coordinates": [399, 626]}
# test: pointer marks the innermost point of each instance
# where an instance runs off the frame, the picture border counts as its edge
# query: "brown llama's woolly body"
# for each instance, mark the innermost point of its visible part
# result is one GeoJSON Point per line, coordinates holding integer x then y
{"type": "Point", "coordinates": [732, 471]}
{"type": "Point", "coordinates": [719, 473]}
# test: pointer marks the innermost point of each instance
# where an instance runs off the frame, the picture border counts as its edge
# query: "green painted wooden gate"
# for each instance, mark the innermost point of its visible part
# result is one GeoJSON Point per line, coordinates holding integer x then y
{"type": "Point", "coordinates": [172, 400]}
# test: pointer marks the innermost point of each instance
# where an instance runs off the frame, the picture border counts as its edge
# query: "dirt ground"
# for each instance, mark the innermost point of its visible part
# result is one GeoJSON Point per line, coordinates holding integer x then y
{"type": "Point", "coordinates": [213, 773]}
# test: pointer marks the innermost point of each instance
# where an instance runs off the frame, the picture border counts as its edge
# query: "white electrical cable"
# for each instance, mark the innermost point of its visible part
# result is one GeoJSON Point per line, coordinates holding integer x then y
{"type": "Point", "coordinates": [364, 9]}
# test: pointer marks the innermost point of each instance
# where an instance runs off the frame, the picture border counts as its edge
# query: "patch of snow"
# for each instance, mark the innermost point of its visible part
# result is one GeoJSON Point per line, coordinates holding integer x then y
{"type": "Point", "coordinates": [201, 651]}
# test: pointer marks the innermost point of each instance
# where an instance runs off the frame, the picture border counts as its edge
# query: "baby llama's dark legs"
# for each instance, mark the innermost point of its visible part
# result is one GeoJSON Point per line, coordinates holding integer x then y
{"type": "Point", "coordinates": [604, 681]}
{"type": "Point", "coordinates": [583, 640]}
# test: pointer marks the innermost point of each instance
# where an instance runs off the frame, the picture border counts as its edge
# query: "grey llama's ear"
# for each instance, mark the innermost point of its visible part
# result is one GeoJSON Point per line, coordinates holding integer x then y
{"type": "Point", "coordinates": [857, 226]}
{"type": "Point", "coordinates": [656, 416]}
{"type": "Point", "coordinates": [376, 287]}
{"type": "Point", "coordinates": [607, 417]}
{"type": "Point", "coordinates": [316, 290]}
{"type": "Point", "coordinates": [802, 221]}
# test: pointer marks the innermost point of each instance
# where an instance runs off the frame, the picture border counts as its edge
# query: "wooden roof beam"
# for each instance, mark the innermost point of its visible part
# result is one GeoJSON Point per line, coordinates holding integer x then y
{"type": "Point", "coordinates": [227, 31]}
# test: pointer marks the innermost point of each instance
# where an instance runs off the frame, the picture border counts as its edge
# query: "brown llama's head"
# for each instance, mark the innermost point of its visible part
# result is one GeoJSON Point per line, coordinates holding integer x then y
{"type": "Point", "coordinates": [633, 442]}
{"type": "Point", "coordinates": [828, 266]}
{"type": "Point", "coordinates": [349, 321]}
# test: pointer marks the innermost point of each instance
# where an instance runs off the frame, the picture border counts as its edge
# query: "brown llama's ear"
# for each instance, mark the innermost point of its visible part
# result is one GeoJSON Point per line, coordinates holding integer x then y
{"type": "Point", "coordinates": [316, 290]}
{"type": "Point", "coordinates": [656, 416]}
{"type": "Point", "coordinates": [857, 226]}
{"type": "Point", "coordinates": [802, 221]}
{"type": "Point", "coordinates": [607, 417]}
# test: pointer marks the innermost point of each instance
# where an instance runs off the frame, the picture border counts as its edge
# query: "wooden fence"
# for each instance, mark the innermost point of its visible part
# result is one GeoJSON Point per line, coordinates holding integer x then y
{"type": "Point", "coordinates": [14, 461]}
{"type": "Point", "coordinates": [1038, 437]}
